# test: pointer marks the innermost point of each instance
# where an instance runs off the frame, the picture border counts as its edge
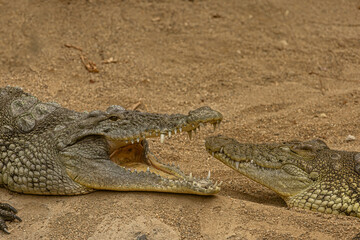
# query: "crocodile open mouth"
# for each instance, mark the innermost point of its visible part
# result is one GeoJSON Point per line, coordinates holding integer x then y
{"type": "Point", "coordinates": [128, 148]}
{"type": "Point", "coordinates": [134, 155]}
{"type": "Point", "coordinates": [137, 157]}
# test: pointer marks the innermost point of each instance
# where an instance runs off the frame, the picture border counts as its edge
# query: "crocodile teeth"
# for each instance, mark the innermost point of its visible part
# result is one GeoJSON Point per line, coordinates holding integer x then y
{"type": "Point", "coordinates": [169, 134]}
{"type": "Point", "coordinates": [252, 161]}
{"type": "Point", "coordinates": [190, 177]}
{"type": "Point", "coordinates": [222, 149]}
{"type": "Point", "coordinates": [180, 129]}
{"type": "Point", "coordinates": [237, 165]}
{"type": "Point", "coordinates": [132, 141]}
{"type": "Point", "coordinates": [148, 169]}
{"type": "Point", "coordinates": [162, 138]}
{"type": "Point", "coordinates": [190, 134]}
{"type": "Point", "coordinates": [216, 125]}
{"type": "Point", "coordinates": [138, 140]}
{"type": "Point", "coordinates": [175, 130]}
{"type": "Point", "coordinates": [232, 163]}
{"type": "Point", "coordinates": [208, 176]}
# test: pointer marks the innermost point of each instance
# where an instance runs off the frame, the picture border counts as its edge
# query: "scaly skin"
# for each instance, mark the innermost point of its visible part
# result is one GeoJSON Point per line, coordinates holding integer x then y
{"type": "Point", "coordinates": [49, 150]}
{"type": "Point", "coordinates": [307, 175]}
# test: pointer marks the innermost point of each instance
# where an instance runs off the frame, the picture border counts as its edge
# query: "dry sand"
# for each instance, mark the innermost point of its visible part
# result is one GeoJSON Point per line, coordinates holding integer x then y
{"type": "Point", "coordinates": [278, 70]}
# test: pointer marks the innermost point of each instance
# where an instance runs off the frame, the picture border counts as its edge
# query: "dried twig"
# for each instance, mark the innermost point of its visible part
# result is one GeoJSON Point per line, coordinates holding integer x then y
{"type": "Point", "coordinates": [72, 46]}
{"type": "Point", "coordinates": [110, 60]}
{"type": "Point", "coordinates": [135, 106]}
{"type": "Point", "coordinates": [89, 65]}
{"type": "Point", "coordinates": [322, 89]}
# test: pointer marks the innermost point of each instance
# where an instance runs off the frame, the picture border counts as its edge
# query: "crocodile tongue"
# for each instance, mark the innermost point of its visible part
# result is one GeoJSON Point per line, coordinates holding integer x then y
{"type": "Point", "coordinates": [138, 156]}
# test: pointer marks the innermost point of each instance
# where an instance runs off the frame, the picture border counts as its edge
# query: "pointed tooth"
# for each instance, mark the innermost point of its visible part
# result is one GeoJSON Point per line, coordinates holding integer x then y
{"type": "Point", "coordinates": [190, 177]}
{"type": "Point", "coordinates": [252, 161]}
{"type": "Point", "coordinates": [148, 169]}
{"type": "Point", "coordinates": [221, 182]}
{"type": "Point", "coordinates": [162, 138]}
{"type": "Point", "coordinates": [237, 164]}
{"type": "Point", "coordinates": [180, 129]}
{"type": "Point", "coordinates": [222, 149]}
{"type": "Point", "coordinates": [132, 141]}
{"type": "Point", "coordinates": [208, 176]}
{"type": "Point", "coordinates": [126, 142]}
{"type": "Point", "coordinates": [169, 133]}
{"type": "Point", "coordinates": [138, 140]}
{"type": "Point", "coordinates": [175, 130]}
{"type": "Point", "coordinates": [190, 134]}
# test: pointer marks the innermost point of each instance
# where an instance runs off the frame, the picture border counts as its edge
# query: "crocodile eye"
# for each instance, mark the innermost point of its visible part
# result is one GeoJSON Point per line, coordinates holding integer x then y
{"type": "Point", "coordinates": [285, 149]}
{"type": "Point", "coordinates": [306, 147]}
{"type": "Point", "coordinates": [335, 156]}
{"type": "Point", "coordinates": [113, 118]}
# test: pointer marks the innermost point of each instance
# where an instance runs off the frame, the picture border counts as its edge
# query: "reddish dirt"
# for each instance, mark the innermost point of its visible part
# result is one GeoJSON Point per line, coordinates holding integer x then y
{"type": "Point", "coordinates": [277, 70]}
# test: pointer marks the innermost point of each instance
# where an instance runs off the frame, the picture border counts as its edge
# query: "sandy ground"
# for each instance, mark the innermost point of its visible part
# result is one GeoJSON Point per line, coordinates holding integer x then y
{"type": "Point", "coordinates": [278, 70]}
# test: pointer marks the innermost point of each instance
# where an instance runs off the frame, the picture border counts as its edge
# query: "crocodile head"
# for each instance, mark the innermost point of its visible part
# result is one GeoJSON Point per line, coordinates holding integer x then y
{"type": "Point", "coordinates": [108, 150]}
{"type": "Point", "coordinates": [305, 174]}
{"type": "Point", "coordinates": [50, 150]}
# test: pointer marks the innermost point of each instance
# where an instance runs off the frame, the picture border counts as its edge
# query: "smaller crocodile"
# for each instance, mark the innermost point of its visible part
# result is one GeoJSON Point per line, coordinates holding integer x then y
{"type": "Point", "coordinates": [306, 175]}
{"type": "Point", "coordinates": [46, 149]}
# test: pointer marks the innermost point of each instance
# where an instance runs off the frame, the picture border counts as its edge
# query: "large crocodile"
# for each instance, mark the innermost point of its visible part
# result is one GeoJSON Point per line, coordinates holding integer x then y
{"type": "Point", "coordinates": [50, 150]}
{"type": "Point", "coordinates": [306, 175]}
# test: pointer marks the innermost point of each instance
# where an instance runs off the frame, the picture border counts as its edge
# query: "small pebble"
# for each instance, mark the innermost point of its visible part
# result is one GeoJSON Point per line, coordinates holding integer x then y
{"type": "Point", "coordinates": [142, 237]}
{"type": "Point", "coordinates": [350, 138]}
